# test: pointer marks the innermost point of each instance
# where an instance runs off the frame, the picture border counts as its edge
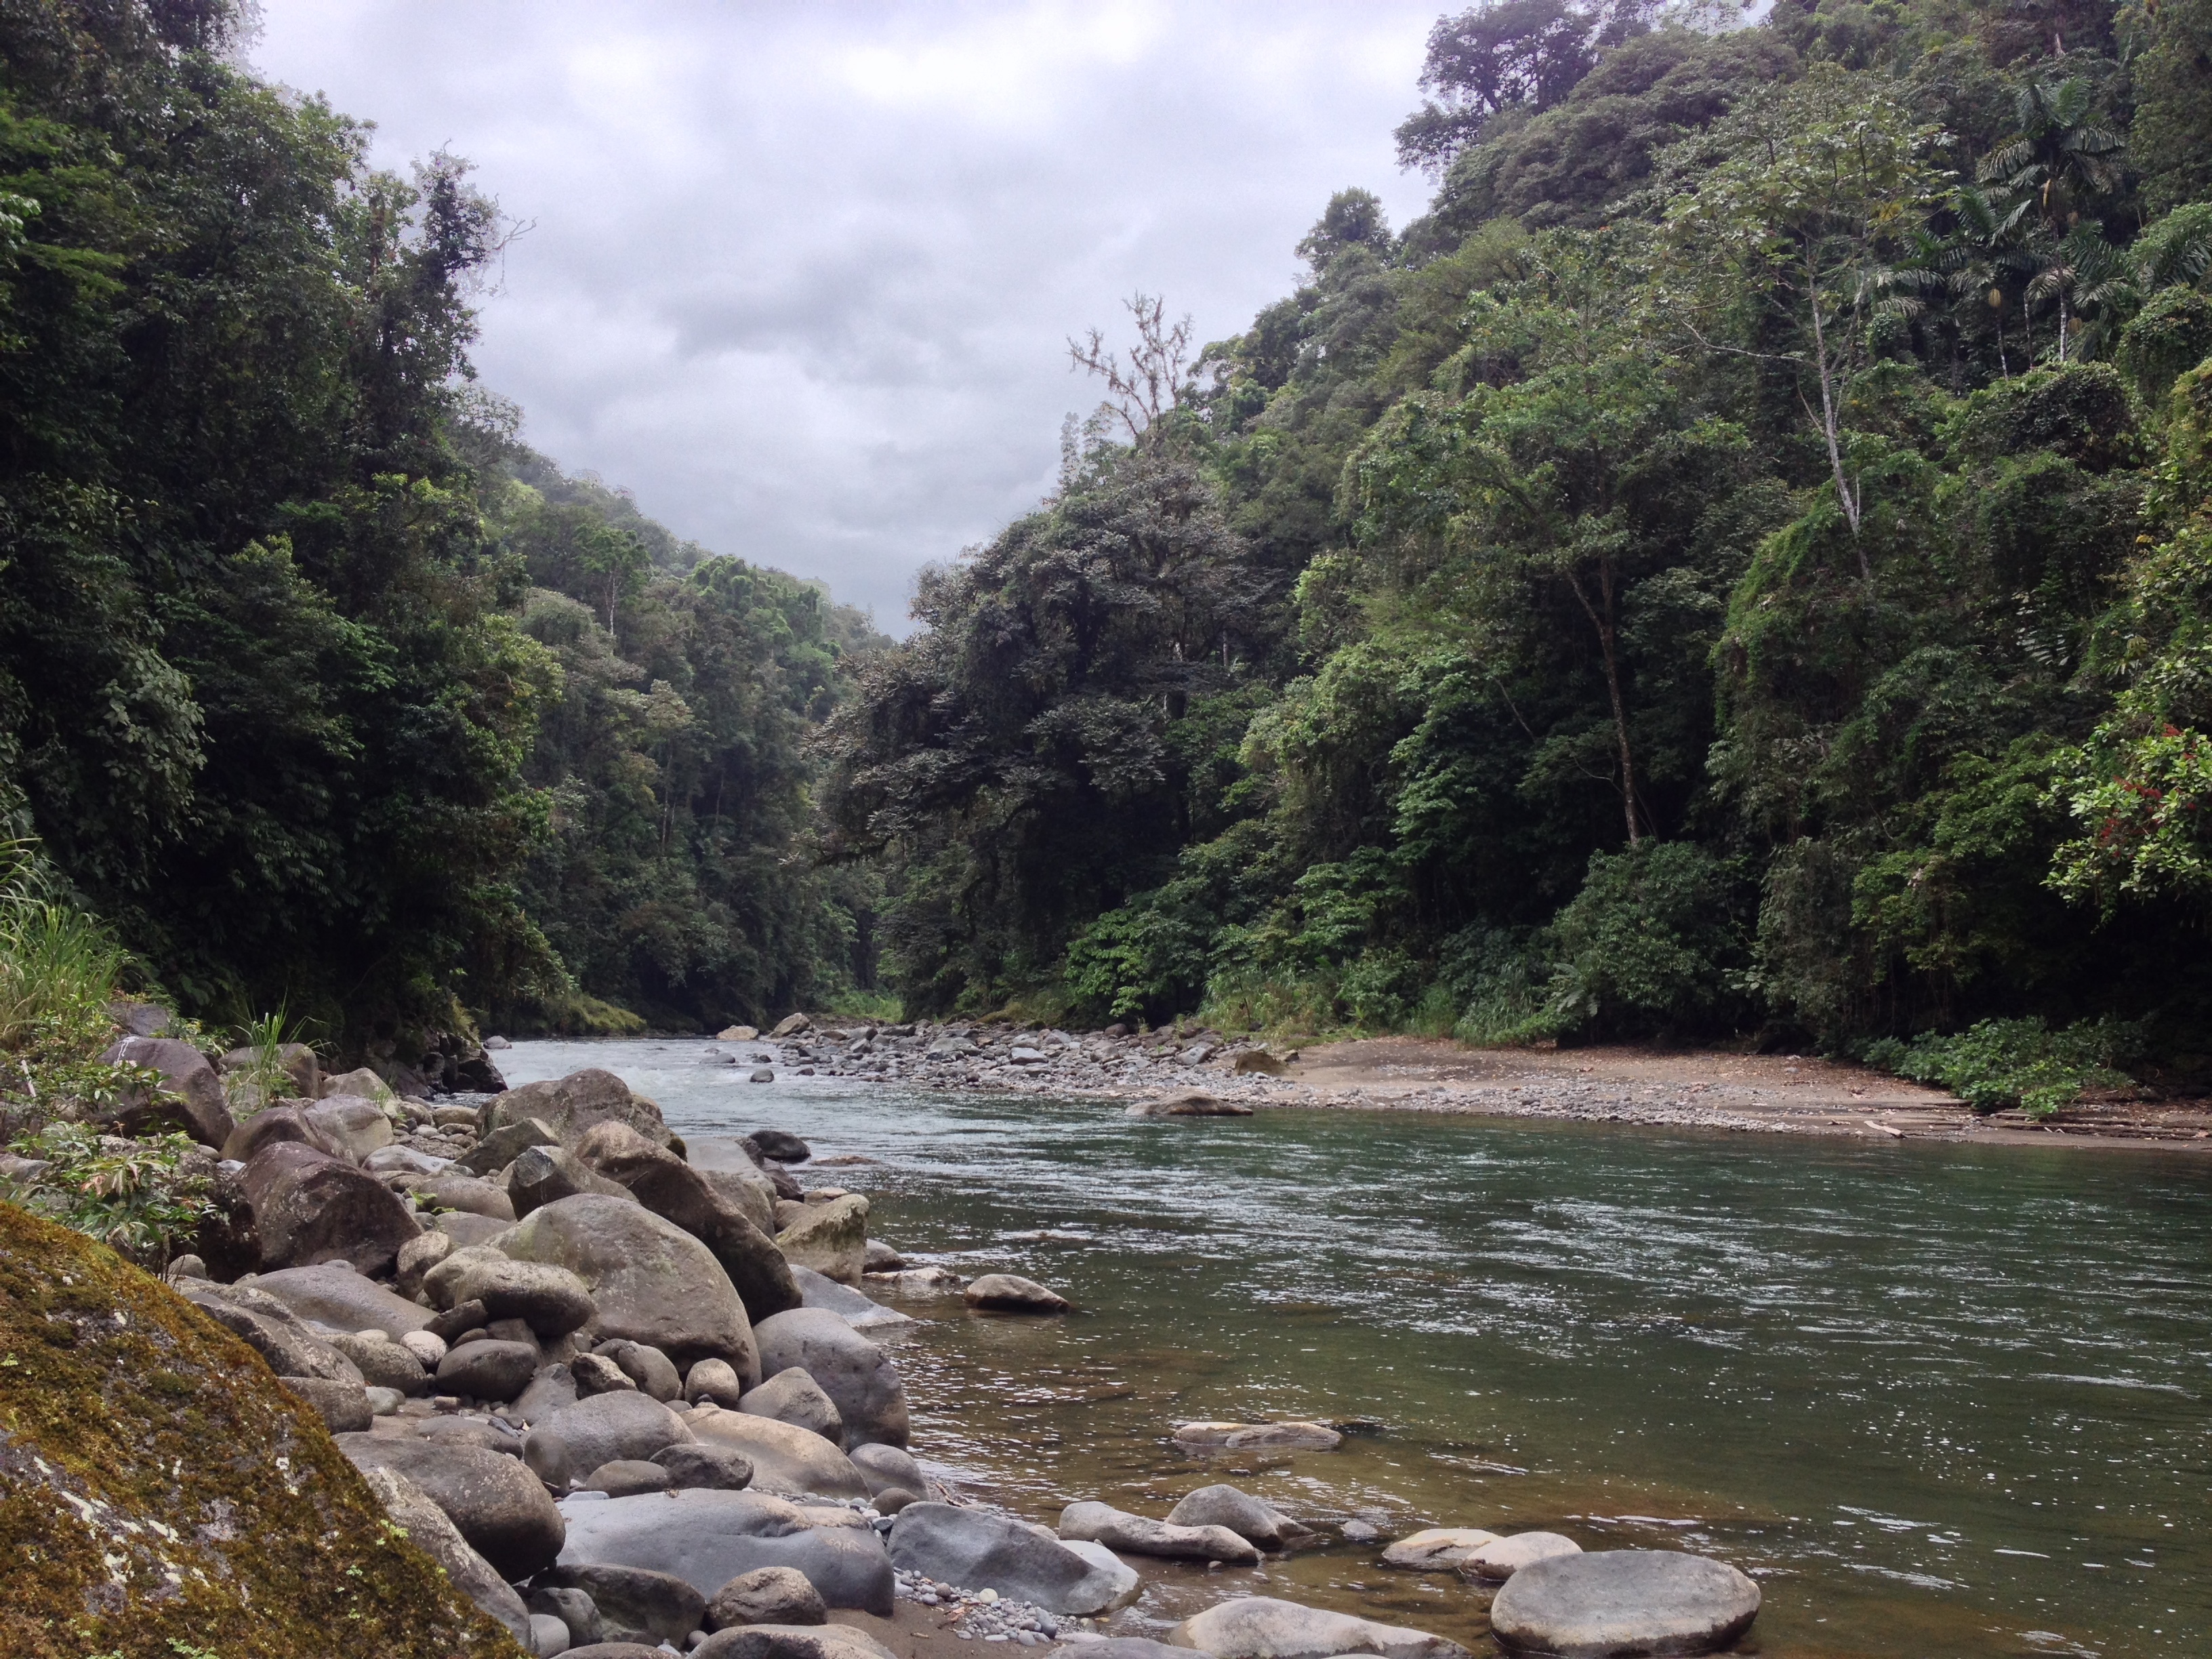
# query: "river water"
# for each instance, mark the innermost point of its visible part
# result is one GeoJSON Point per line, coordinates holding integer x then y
{"type": "Point", "coordinates": [1938, 1400]}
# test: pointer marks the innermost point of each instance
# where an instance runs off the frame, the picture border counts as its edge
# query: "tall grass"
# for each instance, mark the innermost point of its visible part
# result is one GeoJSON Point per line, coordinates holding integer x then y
{"type": "Point", "coordinates": [59, 969]}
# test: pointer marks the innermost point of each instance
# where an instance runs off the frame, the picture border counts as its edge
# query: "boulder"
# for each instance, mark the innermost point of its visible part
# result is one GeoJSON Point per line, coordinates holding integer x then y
{"type": "Point", "coordinates": [165, 1494]}
{"type": "Point", "coordinates": [1619, 1602]}
{"type": "Point", "coordinates": [1261, 1627]}
{"type": "Point", "coordinates": [1439, 1547]}
{"type": "Point", "coordinates": [881, 1259]}
{"type": "Point", "coordinates": [191, 1092]}
{"type": "Point", "coordinates": [1189, 1102]}
{"type": "Point", "coordinates": [721, 1468]}
{"type": "Point", "coordinates": [553, 1388]}
{"type": "Point", "coordinates": [1258, 1437]}
{"type": "Point", "coordinates": [296, 1059]}
{"type": "Point", "coordinates": [977, 1549]}
{"type": "Point", "coordinates": [887, 1467]}
{"type": "Point", "coordinates": [1242, 1513]}
{"type": "Point", "coordinates": [650, 1281]}
{"type": "Point", "coordinates": [308, 1206]}
{"type": "Point", "coordinates": [383, 1363]}
{"type": "Point", "coordinates": [466, 1229]}
{"type": "Point", "coordinates": [853, 1372]}
{"type": "Point", "coordinates": [548, 1635]}
{"type": "Point", "coordinates": [707, 1537]}
{"type": "Point", "coordinates": [784, 1459]}
{"type": "Point", "coordinates": [652, 1371]}
{"type": "Point", "coordinates": [428, 1348]}
{"type": "Point", "coordinates": [792, 1642]}
{"type": "Point", "coordinates": [343, 1407]}
{"type": "Point", "coordinates": [596, 1373]}
{"type": "Point", "coordinates": [626, 1477]}
{"type": "Point", "coordinates": [1124, 1647]}
{"type": "Point", "coordinates": [450, 1326]}
{"type": "Point", "coordinates": [713, 1380]}
{"type": "Point", "coordinates": [766, 1596]}
{"type": "Point", "coordinates": [398, 1159]}
{"type": "Point", "coordinates": [499, 1506]}
{"type": "Point", "coordinates": [1503, 1557]}
{"type": "Point", "coordinates": [860, 1312]}
{"type": "Point", "coordinates": [272, 1330]}
{"type": "Point", "coordinates": [617, 1650]}
{"type": "Point", "coordinates": [488, 1370]}
{"type": "Point", "coordinates": [139, 1018]}
{"type": "Point", "coordinates": [454, 1191]}
{"type": "Point", "coordinates": [791, 1025]}
{"type": "Point", "coordinates": [751, 1189]}
{"type": "Point", "coordinates": [551, 1300]}
{"type": "Point", "coordinates": [333, 1294]}
{"type": "Point", "coordinates": [361, 1083]}
{"type": "Point", "coordinates": [1011, 1293]}
{"type": "Point", "coordinates": [427, 1528]}
{"type": "Point", "coordinates": [266, 1129]}
{"type": "Point", "coordinates": [671, 1189]}
{"type": "Point", "coordinates": [781, 1145]}
{"type": "Point", "coordinates": [1139, 1534]}
{"type": "Point", "coordinates": [543, 1175]}
{"type": "Point", "coordinates": [794, 1397]}
{"type": "Point", "coordinates": [1120, 1575]}
{"type": "Point", "coordinates": [506, 1143]}
{"type": "Point", "coordinates": [831, 1238]}
{"type": "Point", "coordinates": [441, 1282]}
{"type": "Point", "coordinates": [922, 1281]}
{"type": "Point", "coordinates": [573, 1440]}
{"type": "Point", "coordinates": [654, 1606]}
{"type": "Point", "coordinates": [573, 1608]}
{"type": "Point", "coordinates": [349, 1127]}
{"type": "Point", "coordinates": [736, 1033]}
{"type": "Point", "coordinates": [570, 1106]}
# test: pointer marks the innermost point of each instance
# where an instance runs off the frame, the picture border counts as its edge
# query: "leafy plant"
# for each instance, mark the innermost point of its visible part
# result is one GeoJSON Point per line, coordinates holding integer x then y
{"type": "Point", "coordinates": [264, 1077]}
{"type": "Point", "coordinates": [1999, 1063]}
{"type": "Point", "coordinates": [132, 1195]}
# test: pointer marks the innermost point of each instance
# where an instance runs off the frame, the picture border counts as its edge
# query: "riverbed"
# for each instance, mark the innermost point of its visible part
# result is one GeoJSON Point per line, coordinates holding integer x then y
{"type": "Point", "coordinates": [1940, 1400]}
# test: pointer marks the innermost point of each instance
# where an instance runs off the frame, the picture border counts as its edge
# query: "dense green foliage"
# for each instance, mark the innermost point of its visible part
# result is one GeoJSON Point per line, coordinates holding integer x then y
{"type": "Point", "coordinates": [314, 685]}
{"type": "Point", "coordinates": [1738, 564]}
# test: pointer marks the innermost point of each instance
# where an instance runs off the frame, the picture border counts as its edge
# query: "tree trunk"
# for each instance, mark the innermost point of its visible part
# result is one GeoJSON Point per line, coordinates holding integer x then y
{"type": "Point", "coordinates": [1607, 640]}
{"type": "Point", "coordinates": [1830, 420]}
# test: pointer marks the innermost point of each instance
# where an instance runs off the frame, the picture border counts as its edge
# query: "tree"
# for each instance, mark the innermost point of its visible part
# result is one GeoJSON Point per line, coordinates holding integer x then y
{"type": "Point", "coordinates": [1504, 54]}
{"type": "Point", "coordinates": [1146, 383]}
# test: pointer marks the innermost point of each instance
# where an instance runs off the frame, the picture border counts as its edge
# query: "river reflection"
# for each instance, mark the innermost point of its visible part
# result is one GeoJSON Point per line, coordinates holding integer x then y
{"type": "Point", "coordinates": [1938, 1400]}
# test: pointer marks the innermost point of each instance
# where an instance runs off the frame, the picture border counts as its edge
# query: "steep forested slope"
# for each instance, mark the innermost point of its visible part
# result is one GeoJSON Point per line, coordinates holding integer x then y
{"type": "Point", "coordinates": [1736, 564]}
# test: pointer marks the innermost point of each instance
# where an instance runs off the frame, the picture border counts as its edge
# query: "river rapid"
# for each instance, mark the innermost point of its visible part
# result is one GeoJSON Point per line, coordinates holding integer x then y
{"type": "Point", "coordinates": [1938, 1400]}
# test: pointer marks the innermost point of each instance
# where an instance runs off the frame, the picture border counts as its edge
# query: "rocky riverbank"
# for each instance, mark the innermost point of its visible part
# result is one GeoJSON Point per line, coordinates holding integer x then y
{"type": "Point", "coordinates": [629, 1403]}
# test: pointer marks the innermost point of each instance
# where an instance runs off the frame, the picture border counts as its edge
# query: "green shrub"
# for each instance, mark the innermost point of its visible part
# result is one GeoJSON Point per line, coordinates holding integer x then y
{"type": "Point", "coordinates": [1651, 944]}
{"type": "Point", "coordinates": [1146, 959]}
{"type": "Point", "coordinates": [132, 1195]}
{"type": "Point", "coordinates": [1999, 1063]}
{"type": "Point", "coordinates": [1497, 981]}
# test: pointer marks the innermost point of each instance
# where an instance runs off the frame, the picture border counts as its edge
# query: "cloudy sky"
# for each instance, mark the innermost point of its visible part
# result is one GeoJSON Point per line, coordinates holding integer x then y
{"type": "Point", "coordinates": [801, 275]}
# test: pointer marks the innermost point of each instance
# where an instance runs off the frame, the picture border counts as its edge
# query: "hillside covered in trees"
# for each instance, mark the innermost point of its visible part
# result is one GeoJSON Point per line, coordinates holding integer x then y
{"type": "Point", "coordinates": [317, 686]}
{"type": "Point", "coordinates": [1739, 564]}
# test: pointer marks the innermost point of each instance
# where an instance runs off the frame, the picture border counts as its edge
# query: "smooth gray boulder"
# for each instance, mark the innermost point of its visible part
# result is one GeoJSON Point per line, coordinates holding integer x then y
{"type": "Point", "coordinates": [713, 1380]}
{"type": "Point", "coordinates": [1124, 1647]}
{"type": "Point", "coordinates": [794, 1397]}
{"type": "Point", "coordinates": [190, 1091]}
{"type": "Point", "coordinates": [706, 1538]}
{"type": "Point", "coordinates": [976, 1549]}
{"type": "Point", "coordinates": [449, 1190]}
{"type": "Point", "coordinates": [573, 1608]}
{"type": "Point", "coordinates": [487, 1370]}
{"type": "Point", "coordinates": [552, 1389]}
{"type": "Point", "coordinates": [545, 1174]}
{"type": "Point", "coordinates": [309, 1206]}
{"type": "Point", "coordinates": [505, 1145]}
{"type": "Point", "coordinates": [831, 1238]}
{"type": "Point", "coordinates": [665, 1184]}
{"type": "Point", "coordinates": [856, 1373]}
{"type": "Point", "coordinates": [344, 1407]}
{"type": "Point", "coordinates": [1139, 1534]}
{"type": "Point", "coordinates": [267, 1127]}
{"type": "Point", "coordinates": [885, 1467]}
{"type": "Point", "coordinates": [792, 1642]}
{"type": "Point", "coordinates": [551, 1300]}
{"type": "Point", "coordinates": [784, 1459]}
{"type": "Point", "coordinates": [722, 1468]}
{"type": "Point", "coordinates": [766, 1596]}
{"type": "Point", "coordinates": [350, 1127]}
{"type": "Point", "coordinates": [1011, 1293]}
{"type": "Point", "coordinates": [649, 1279]}
{"type": "Point", "coordinates": [499, 1506]}
{"type": "Point", "coordinates": [1261, 1627]}
{"type": "Point", "coordinates": [428, 1528]}
{"type": "Point", "coordinates": [1223, 1505]}
{"type": "Point", "coordinates": [653, 1607]}
{"type": "Point", "coordinates": [862, 1312]}
{"type": "Point", "coordinates": [571, 1441]}
{"type": "Point", "coordinates": [1126, 1585]}
{"type": "Point", "coordinates": [1613, 1603]}
{"type": "Point", "coordinates": [652, 1371]}
{"type": "Point", "coordinates": [570, 1106]}
{"type": "Point", "coordinates": [1502, 1557]}
{"type": "Point", "coordinates": [270, 1328]}
{"type": "Point", "coordinates": [383, 1363]}
{"type": "Point", "coordinates": [335, 1295]}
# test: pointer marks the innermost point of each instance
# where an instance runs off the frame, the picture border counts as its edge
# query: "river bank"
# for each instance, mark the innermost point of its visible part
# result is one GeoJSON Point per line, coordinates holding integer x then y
{"type": "Point", "coordinates": [1769, 1094]}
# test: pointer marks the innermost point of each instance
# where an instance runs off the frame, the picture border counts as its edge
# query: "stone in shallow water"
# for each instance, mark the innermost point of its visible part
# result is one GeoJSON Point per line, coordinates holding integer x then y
{"type": "Point", "coordinates": [707, 1538]}
{"type": "Point", "coordinates": [1260, 1627]}
{"type": "Point", "coordinates": [1613, 1603]}
{"type": "Point", "coordinates": [1502, 1557]}
{"type": "Point", "coordinates": [1140, 1534]}
{"type": "Point", "coordinates": [976, 1549]}
{"type": "Point", "coordinates": [1242, 1513]}
{"type": "Point", "coordinates": [1439, 1547]}
{"type": "Point", "coordinates": [1011, 1293]}
{"type": "Point", "coordinates": [1259, 1436]}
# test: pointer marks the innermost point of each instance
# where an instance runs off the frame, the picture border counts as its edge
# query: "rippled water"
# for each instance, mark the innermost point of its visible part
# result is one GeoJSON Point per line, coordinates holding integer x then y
{"type": "Point", "coordinates": [1938, 1400]}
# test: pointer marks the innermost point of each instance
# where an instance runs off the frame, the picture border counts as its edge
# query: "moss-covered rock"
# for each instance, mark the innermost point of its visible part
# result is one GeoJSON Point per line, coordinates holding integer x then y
{"type": "Point", "coordinates": [161, 1494]}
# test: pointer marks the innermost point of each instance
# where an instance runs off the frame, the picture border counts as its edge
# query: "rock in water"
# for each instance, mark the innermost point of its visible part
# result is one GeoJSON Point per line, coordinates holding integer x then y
{"type": "Point", "coordinates": [978, 1550]}
{"type": "Point", "coordinates": [650, 1281]}
{"type": "Point", "coordinates": [1139, 1534]}
{"type": "Point", "coordinates": [1242, 1513]}
{"type": "Point", "coordinates": [176, 1457]}
{"type": "Point", "coordinates": [1260, 1627]}
{"type": "Point", "coordinates": [500, 1508]}
{"type": "Point", "coordinates": [860, 1312]}
{"type": "Point", "coordinates": [1011, 1293]}
{"type": "Point", "coordinates": [1439, 1547]}
{"type": "Point", "coordinates": [766, 1596]}
{"type": "Point", "coordinates": [858, 1376]}
{"type": "Point", "coordinates": [781, 1145]}
{"type": "Point", "coordinates": [1617, 1602]}
{"type": "Point", "coordinates": [707, 1538]}
{"type": "Point", "coordinates": [887, 1466]}
{"type": "Point", "coordinates": [831, 1238]}
{"type": "Point", "coordinates": [1258, 1437]}
{"type": "Point", "coordinates": [1502, 1557]}
{"type": "Point", "coordinates": [1190, 1102]}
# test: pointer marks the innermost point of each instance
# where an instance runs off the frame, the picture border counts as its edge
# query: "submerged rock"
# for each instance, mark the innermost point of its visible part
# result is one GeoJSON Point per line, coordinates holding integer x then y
{"type": "Point", "coordinates": [1439, 1547]}
{"type": "Point", "coordinates": [1011, 1293]}
{"type": "Point", "coordinates": [1242, 1513]}
{"type": "Point", "coordinates": [1258, 1437]}
{"type": "Point", "coordinates": [1139, 1534]}
{"type": "Point", "coordinates": [1619, 1602]}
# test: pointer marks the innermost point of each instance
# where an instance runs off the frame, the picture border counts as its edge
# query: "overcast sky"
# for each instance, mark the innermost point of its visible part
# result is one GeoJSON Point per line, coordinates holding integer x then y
{"type": "Point", "coordinates": [801, 275]}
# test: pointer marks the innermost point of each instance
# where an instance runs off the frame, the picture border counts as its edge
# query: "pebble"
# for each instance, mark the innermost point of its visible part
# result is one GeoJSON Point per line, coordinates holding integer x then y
{"type": "Point", "coordinates": [985, 1615]}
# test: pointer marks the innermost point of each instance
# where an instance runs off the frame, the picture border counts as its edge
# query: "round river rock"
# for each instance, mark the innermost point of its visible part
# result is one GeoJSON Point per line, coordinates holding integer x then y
{"type": "Point", "coordinates": [1617, 1602]}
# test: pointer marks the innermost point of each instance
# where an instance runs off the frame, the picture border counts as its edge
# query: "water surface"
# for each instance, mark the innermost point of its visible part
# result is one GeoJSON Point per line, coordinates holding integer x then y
{"type": "Point", "coordinates": [1938, 1400]}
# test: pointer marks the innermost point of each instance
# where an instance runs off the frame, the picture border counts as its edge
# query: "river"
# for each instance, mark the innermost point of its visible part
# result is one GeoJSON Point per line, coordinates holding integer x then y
{"type": "Point", "coordinates": [1938, 1400]}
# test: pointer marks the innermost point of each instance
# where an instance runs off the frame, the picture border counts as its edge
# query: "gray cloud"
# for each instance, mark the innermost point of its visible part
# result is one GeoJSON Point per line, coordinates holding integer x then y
{"type": "Point", "coordinates": [801, 275]}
